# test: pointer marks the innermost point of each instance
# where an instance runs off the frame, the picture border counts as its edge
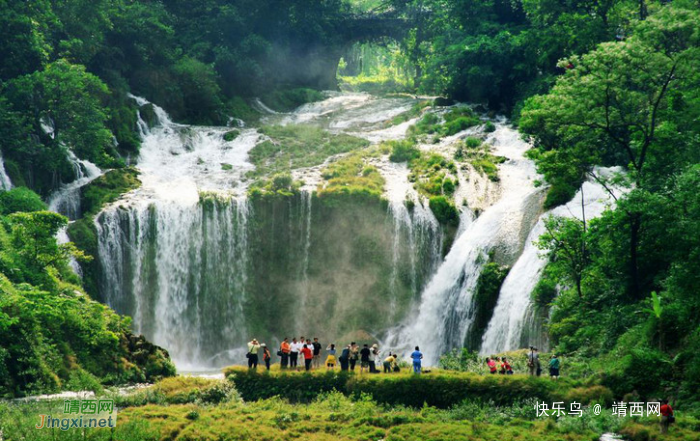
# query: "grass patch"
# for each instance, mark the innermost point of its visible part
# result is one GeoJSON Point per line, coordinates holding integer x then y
{"type": "Point", "coordinates": [451, 123]}
{"type": "Point", "coordinates": [377, 84]}
{"type": "Point", "coordinates": [441, 389]}
{"type": "Point", "coordinates": [231, 135]}
{"type": "Point", "coordinates": [352, 175]}
{"type": "Point", "coordinates": [296, 146]}
{"type": "Point", "coordinates": [286, 100]}
{"type": "Point", "coordinates": [433, 175]}
{"type": "Point", "coordinates": [332, 416]}
{"type": "Point", "coordinates": [478, 154]}
{"type": "Point", "coordinates": [415, 111]}
{"type": "Point", "coordinates": [108, 188]}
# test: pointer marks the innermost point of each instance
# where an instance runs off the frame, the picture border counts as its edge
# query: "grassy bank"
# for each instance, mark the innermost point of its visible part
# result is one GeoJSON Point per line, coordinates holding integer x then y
{"type": "Point", "coordinates": [186, 408]}
{"type": "Point", "coordinates": [438, 388]}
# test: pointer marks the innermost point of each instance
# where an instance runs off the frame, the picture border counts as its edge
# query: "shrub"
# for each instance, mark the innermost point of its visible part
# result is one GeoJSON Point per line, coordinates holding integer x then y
{"type": "Point", "coordinates": [489, 127]}
{"type": "Point", "coordinates": [402, 151]}
{"type": "Point", "coordinates": [231, 135]}
{"type": "Point", "coordinates": [20, 199]}
{"type": "Point", "coordinates": [444, 211]}
{"type": "Point", "coordinates": [436, 389]}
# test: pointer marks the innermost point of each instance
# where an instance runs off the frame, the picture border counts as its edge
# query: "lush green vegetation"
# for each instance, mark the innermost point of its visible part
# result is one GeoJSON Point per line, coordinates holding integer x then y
{"type": "Point", "coordinates": [53, 336]}
{"type": "Point", "coordinates": [296, 146]}
{"type": "Point", "coordinates": [352, 175]}
{"type": "Point", "coordinates": [450, 123]}
{"type": "Point", "coordinates": [213, 410]}
{"type": "Point", "coordinates": [478, 154]}
{"type": "Point", "coordinates": [627, 279]}
{"type": "Point", "coordinates": [285, 100]}
{"type": "Point", "coordinates": [441, 389]}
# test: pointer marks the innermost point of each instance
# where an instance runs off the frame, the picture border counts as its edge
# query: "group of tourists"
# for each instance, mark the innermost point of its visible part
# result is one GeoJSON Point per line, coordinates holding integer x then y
{"type": "Point", "coordinates": [535, 368]}
{"type": "Point", "coordinates": [503, 367]}
{"type": "Point", "coordinates": [293, 353]}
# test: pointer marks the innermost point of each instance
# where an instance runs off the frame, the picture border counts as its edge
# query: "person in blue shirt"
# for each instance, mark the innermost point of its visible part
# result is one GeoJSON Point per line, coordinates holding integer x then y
{"type": "Point", "coordinates": [417, 356]}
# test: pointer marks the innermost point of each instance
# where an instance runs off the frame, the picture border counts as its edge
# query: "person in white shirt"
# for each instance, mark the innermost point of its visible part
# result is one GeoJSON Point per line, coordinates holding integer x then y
{"type": "Point", "coordinates": [294, 354]}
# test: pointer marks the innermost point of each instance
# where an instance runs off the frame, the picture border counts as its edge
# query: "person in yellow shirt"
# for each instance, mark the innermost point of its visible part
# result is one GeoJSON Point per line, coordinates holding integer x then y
{"type": "Point", "coordinates": [389, 363]}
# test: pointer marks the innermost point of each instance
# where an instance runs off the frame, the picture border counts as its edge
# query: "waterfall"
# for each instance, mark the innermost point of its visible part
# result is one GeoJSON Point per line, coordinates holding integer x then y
{"type": "Point", "coordinates": [180, 271]}
{"type": "Point", "coordinates": [66, 200]}
{"type": "Point", "coordinates": [513, 314]}
{"type": "Point", "coordinates": [446, 310]}
{"type": "Point", "coordinates": [305, 230]}
{"type": "Point", "coordinates": [5, 183]}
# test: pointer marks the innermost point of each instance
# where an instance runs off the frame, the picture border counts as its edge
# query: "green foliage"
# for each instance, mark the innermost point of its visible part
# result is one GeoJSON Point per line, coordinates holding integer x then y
{"type": "Point", "coordinates": [231, 135]}
{"type": "Point", "coordinates": [438, 389]}
{"type": "Point", "coordinates": [433, 174]}
{"type": "Point", "coordinates": [478, 154]}
{"type": "Point", "coordinates": [20, 199]}
{"type": "Point", "coordinates": [454, 121]}
{"type": "Point", "coordinates": [444, 211]}
{"type": "Point", "coordinates": [485, 298]}
{"type": "Point", "coordinates": [286, 100]}
{"type": "Point", "coordinates": [296, 146]}
{"type": "Point", "coordinates": [402, 151]}
{"type": "Point", "coordinates": [108, 188]}
{"type": "Point", "coordinates": [352, 175]}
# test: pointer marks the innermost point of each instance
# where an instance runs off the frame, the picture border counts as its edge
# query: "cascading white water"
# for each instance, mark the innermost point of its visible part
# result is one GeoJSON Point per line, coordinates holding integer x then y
{"type": "Point", "coordinates": [509, 320]}
{"type": "Point", "coordinates": [446, 311]}
{"type": "Point", "coordinates": [176, 253]}
{"type": "Point", "coordinates": [66, 200]}
{"type": "Point", "coordinates": [5, 183]}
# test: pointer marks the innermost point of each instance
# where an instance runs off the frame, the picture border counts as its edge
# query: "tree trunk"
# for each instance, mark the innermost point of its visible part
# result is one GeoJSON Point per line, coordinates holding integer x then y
{"type": "Point", "coordinates": [635, 224]}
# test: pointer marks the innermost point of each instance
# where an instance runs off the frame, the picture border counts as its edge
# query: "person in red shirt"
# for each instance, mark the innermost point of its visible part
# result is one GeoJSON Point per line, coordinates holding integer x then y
{"type": "Point", "coordinates": [308, 356]}
{"type": "Point", "coordinates": [666, 416]}
{"type": "Point", "coordinates": [492, 365]}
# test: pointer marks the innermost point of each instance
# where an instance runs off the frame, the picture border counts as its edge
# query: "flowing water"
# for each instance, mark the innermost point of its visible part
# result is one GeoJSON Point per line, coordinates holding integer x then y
{"type": "Point", "coordinates": [202, 267]}
{"type": "Point", "coordinates": [181, 253]}
{"type": "Point", "coordinates": [512, 322]}
{"type": "Point", "coordinates": [447, 308]}
{"type": "Point", "coordinates": [5, 183]}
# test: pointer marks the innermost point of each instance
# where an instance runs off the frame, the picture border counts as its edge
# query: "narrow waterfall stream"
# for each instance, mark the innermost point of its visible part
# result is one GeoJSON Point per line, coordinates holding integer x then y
{"type": "Point", "coordinates": [446, 308]}
{"type": "Point", "coordinates": [509, 325]}
{"type": "Point", "coordinates": [5, 183]}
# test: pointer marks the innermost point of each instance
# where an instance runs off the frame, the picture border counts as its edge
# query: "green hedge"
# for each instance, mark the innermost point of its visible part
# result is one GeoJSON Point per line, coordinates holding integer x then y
{"type": "Point", "coordinates": [435, 389]}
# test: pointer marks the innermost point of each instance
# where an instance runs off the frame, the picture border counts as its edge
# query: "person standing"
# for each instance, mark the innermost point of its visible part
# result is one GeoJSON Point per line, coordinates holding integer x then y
{"type": "Point", "coordinates": [266, 355]}
{"type": "Point", "coordinates": [667, 417]}
{"type": "Point", "coordinates": [554, 367]}
{"type": "Point", "coordinates": [373, 358]}
{"type": "Point", "coordinates": [308, 354]}
{"type": "Point", "coordinates": [364, 358]}
{"type": "Point", "coordinates": [253, 348]}
{"type": "Point", "coordinates": [354, 355]}
{"type": "Point", "coordinates": [344, 358]}
{"type": "Point", "coordinates": [294, 353]}
{"type": "Point", "coordinates": [317, 353]}
{"type": "Point", "coordinates": [330, 360]}
{"type": "Point", "coordinates": [285, 350]}
{"type": "Point", "coordinates": [533, 361]}
{"type": "Point", "coordinates": [417, 356]}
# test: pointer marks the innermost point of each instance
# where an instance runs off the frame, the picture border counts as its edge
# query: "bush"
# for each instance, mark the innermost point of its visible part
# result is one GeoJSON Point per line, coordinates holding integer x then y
{"type": "Point", "coordinates": [20, 199]}
{"type": "Point", "coordinates": [435, 389]}
{"type": "Point", "coordinates": [290, 99]}
{"type": "Point", "coordinates": [444, 211]}
{"type": "Point", "coordinates": [231, 135]}
{"type": "Point", "coordinates": [402, 151]}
